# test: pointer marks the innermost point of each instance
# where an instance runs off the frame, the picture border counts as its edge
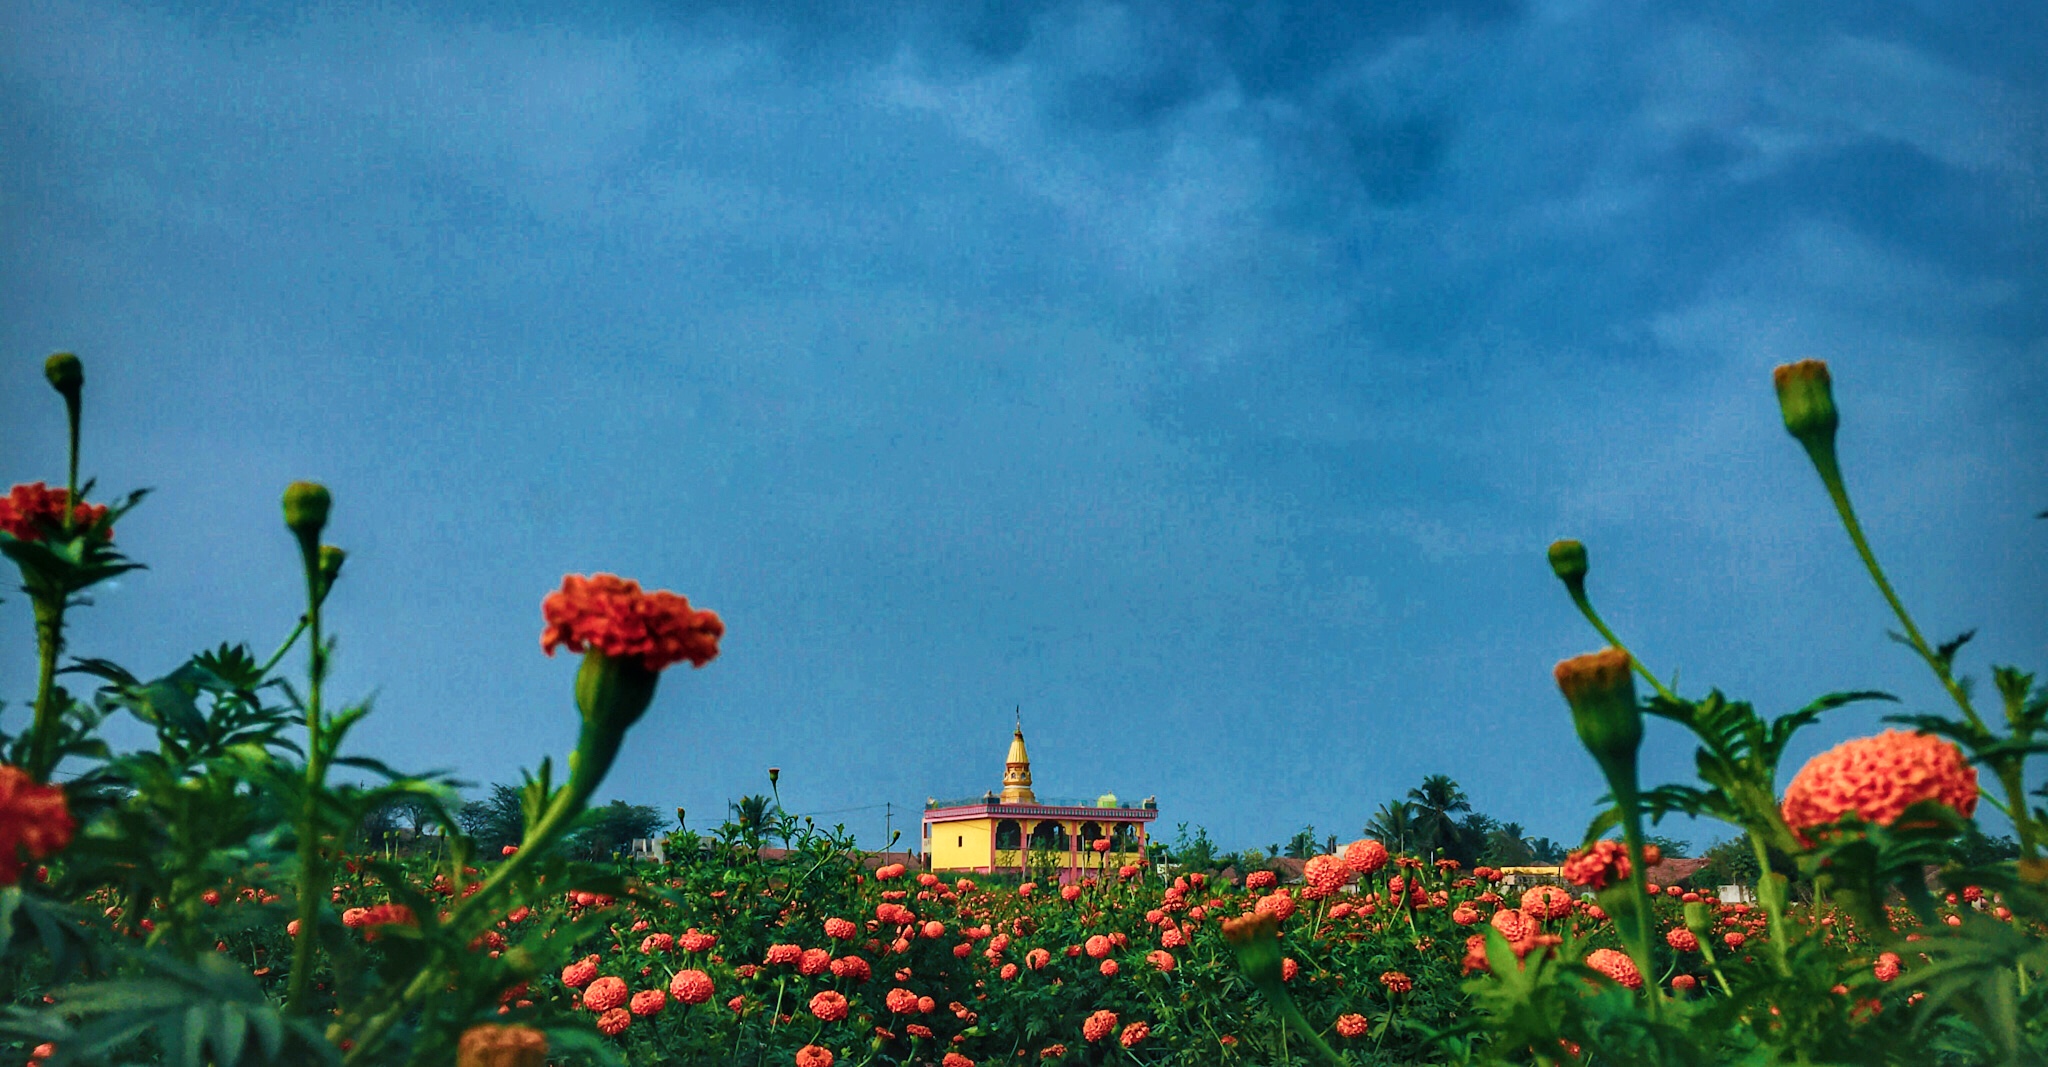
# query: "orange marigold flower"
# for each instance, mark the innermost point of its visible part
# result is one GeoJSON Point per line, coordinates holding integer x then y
{"type": "Point", "coordinates": [691, 987]}
{"type": "Point", "coordinates": [829, 1006]}
{"type": "Point", "coordinates": [784, 954]}
{"type": "Point", "coordinates": [654, 943]}
{"type": "Point", "coordinates": [851, 967]}
{"type": "Point", "coordinates": [576, 975]}
{"type": "Point", "coordinates": [1279, 904]}
{"type": "Point", "coordinates": [648, 1002]}
{"type": "Point", "coordinates": [839, 929]}
{"type": "Point", "coordinates": [613, 615]}
{"type": "Point", "coordinates": [1325, 875]}
{"type": "Point", "coordinates": [1365, 856]}
{"type": "Point", "coordinates": [1615, 965]}
{"type": "Point", "coordinates": [1037, 958]}
{"type": "Point", "coordinates": [1604, 864]}
{"type": "Point", "coordinates": [1134, 1034]}
{"type": "Point", "coordinates": [34, 821]}
{"type": "Point", "coordinates": [1683, 982]}
{"type": "Point", "coordinates": [1097, 946]}
{"type": "Point", "coordinates": [614, 1022]}
{"type": "Point", "coordinates": [1052, 1052]}
{"type": "Point", "coordinates": [814, 1056]}
{"type": "Point", "coordinates": [1397, 982]}
{"type": "Point", "coordinates": [1160, 958]}
{"type": "Point", "coordinates": [1352, 1024]}
{"type": "Point", "coordinates": [1099, 1025]}
{"type": "Point", "coordinates": [604, 994]}
{"type": "Point", "coordinates": [1682, 939]}
{"type": "Point", "coordinates": [1108, 968]}
{"type": "Point", "coordinates": [494, 1045]}
{"type": "Point", "coordinates": [1878, 778]}
{"type": "Point", "coordinates": [901, 1001]}
{"type": "Point", "coordinates": [1887, 966]}
{"type": "Point", "coordinates": [1546, 902]}
{"type": "Point", "coordinates": [1475, 954]}
{"type": "Point", "coordinates": [814, 961]}
{"type": "Point", "coordinates": [955, 1059]}
{"type": "Point", "coordinates": [1260, 879]}
{"type": "Point", "coordinates": [25, 509]}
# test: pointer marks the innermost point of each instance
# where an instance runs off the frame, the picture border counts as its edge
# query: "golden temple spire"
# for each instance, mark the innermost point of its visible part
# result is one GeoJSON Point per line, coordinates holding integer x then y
{"type": "Point", "coordinates": [1017, 769]}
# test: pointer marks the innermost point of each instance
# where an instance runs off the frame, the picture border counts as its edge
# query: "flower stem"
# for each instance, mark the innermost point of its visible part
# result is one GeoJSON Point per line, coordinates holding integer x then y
{"type": "Point", "coordinates": [49, 615]}
{"type": "Point", "coordinates": [1578, 594]}
{"type": "Point", "coordinates": [1773, 901]}
{"type": "Point", "coordinates": [311, 875]}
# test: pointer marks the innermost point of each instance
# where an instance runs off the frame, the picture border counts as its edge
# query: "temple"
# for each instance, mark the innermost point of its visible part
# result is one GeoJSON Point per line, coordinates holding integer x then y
{"type": "Point", "coordinates": [1019, 832]}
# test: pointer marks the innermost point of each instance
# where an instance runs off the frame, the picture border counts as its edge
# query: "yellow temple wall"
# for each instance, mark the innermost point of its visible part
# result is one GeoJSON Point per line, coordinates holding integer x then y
{"type": "Point", "coordinates": [959, 845]}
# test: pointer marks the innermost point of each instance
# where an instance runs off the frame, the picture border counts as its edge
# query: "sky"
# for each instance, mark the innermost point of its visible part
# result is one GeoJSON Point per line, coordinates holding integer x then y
{"type": "Point", "coordinates": [1205, 380]}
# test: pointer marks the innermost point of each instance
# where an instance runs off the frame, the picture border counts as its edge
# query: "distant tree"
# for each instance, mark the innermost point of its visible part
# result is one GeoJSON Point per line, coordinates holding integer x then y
{"type": "Point", "coordinates": [1196, 853]}
{"type": "Point", "coordinates": [1393, 826]}
{"type": "Point", "coordinates": [1980, 849]}
{"type": "Point", "coordinates": [752, 814]}
{"type": "Point", "coordinates": [1436, 801]}
{"type": "Point", "coordinates": [1507, 846]}
{"type": "Point", "coordinates": [1469, 838]}
{"type": "Point", "coordinates": [1330, 845]}
{"type": "Point", "coordinates": [1669, 847]}
{"type": "Point", "coordinates": [493, 822]}
{"type": "Point", "coordinates": [1545, 851]}
{"type": "Point", "coordinates": [1303, 844]}
{"type": "Point", "coordinates": [613, 827]}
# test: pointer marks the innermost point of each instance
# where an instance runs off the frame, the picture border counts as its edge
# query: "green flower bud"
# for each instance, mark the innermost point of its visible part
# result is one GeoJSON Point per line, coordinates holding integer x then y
{"type": "Point", "coordinates": [66, 374]}
{"type": "Point", "coordinates": [331, 559]}
{"type": "Point", "coordinates": [1806, 396]}
{"type": "Point", "coordinates": [1696, 918]}
{"type": "Point", "coordinates": [679, 818]}
{"type": "Point", "coordinates": [774, 775]}
{"type": "Point", "coordinates": [1602, 695]}
{"type": "Point", "coordinates": [305, 509]}
{"type": "Point", "coordinates": [1256, 940]}
{"type": "Point", "coordinates": [1568, 562]}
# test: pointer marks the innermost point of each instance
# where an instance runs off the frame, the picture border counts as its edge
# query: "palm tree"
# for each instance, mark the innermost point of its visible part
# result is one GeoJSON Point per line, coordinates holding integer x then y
{"type": "Point", "coordinates": [1303, 844]}
{"type": "Point", "coordinates": [1506, 847]}
{"type": "Point", "coordinates": [751, 813]}
{"type": "Point", "coordinates": [1436, 800]}
{"type": "Point", "coordinates": [1393, 825]}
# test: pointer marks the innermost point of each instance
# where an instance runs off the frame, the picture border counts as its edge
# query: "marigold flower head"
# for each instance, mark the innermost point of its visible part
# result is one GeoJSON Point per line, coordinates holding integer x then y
{"type": "Point", "coordinates": [604, 994]}
{"type": "Point", "coordinates": [1546, 902]}
{"type": "Point", "coordinates": [1682, 982]}
{"type": "Point", "coordinates": [1135, 1034]}
{"type": "Point", "coordinates": [955, 1059]}
{"type": "Point", "coordinates": [494, 1045]}
{"type": "Point", "coordinates": [1602, 696]}
{"type": "Point", "coordinates": [1615, 965]}
{"type": "Point", "coordinates": [691, 987]}
{"type": "Point", "coordinates": [35, 822]}
{"type": "Point", "coordinates": [1260, 879]}
{"type": "Point", "coordinates": [901, 1001]}
{"type": "Point", "coordinates": [1052, 1052]}
{"type": "Point", "coordinates": [1887, 966]}
{"type": "Point", "coordinates": [614, 1022]}
{"type": "Point", "coordinates": [1279, 904]}
{"type": "Point", "coordinates": [1326, 875]}
{"type": "Point", "coordinates": [839, 929]}
{"type": "Point", "coordinates": [1352, 1024]}
{"type": "Point", "coordinates": [815, 961]}
{"type": "Point", "coordinates": [1604, 864]}
{"type": "Point", "coordinates": [814, 1056]}
{"type": "Point", "coordinates": [784, 954]}
{"type": "Point", "coordinates": [648, 1002]}
{"type": "Point", "coordinates": [1878, 778]}
{"type": "Point", "coordinates": [1397, 982]}
{"type": "Point", "coordinates": [1365, 856]}
{"type": "Point", "coordinates": [1099, 1025]}
{"type": "Point", "coordinates": [851, 967]}
{"type": "Point", "coordinates": [612, 615]}
{"type": "Point", "coordinates": [27, 508]}
{"type": "Point", "coordinates": [829, 1006]}
{"type": "Point", "coordinates": [1682, 939]}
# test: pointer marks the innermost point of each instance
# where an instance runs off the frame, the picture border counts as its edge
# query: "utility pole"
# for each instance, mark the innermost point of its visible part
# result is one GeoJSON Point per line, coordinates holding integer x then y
{"type": "Point", "coordinates": [888, 821]}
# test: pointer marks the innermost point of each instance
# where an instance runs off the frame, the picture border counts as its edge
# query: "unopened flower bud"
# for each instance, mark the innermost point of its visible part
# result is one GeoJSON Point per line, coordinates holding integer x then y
{"type": "Point", "coordinates": [1256, 939]}
{"type": "Point", "coordinates": [1602, 695]}
{"type": "Point", "coordinates": [1568, 562]}
{"type": "Point", "coordinates": [1806, 396]}
{"type": "Point", "coordinates": [1696, 918]}
{"type": "Point", "coordinates": [66, 374]}
{"type": "Point", "coordinates": [774, 775]}
{"type": "Point", "coordinates": [331, 559]}
{"type": "Point", "coordinates": [305, 509]}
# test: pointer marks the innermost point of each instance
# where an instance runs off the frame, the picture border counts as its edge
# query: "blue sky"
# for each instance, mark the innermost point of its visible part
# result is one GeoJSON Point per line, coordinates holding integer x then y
{"type": "Point", "coordinates": [1207, 379]}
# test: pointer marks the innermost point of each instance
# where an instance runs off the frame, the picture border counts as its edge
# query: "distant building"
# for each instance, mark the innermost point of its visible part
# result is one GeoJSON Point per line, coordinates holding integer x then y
{"type": "Point", "coordinates": [1007, 832]}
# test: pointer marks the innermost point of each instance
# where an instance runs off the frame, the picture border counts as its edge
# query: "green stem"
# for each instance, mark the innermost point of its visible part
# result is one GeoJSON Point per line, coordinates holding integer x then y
{"type": "Point", "coordinates": [1637, 931]}
{"type": "Point", "coordinates": [1578, 593]}
{"type": "Point", "coordinates": [1774, 906]}
{"type": "Point", "coordinates": [290, 640]}
{"type": "Point", "coordinates": [1824, 461]}
{"type": "Point", "coordinates": [49, 616]}
{"type": "Point", "coordinates": [312, 878]}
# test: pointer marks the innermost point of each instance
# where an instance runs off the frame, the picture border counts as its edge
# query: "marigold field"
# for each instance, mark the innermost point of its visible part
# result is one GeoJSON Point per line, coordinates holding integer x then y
{"type": "Point", "coordinates": [210, 898]}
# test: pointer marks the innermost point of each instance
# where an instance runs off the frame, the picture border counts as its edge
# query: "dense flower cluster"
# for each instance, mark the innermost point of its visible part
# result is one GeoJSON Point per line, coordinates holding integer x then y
{"type": "Point", "coordinates": [26, 508]}
{"type": "Point", "coordinates": [1604, 864]}
{"type": "Point", "coordinates": [612, 615]}
{"type": "Point", "coordinates": [35, 822]}
{"type": "Point", "coordinates": [1878, 778]}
